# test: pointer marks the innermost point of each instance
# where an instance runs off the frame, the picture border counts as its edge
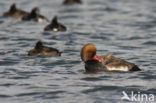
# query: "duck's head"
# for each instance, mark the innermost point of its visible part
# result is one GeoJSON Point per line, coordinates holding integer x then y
{"type": "Point", "coordinates": [39, 45]}
{"type": "Point", "coordinates": [56, 26]}
{"type": "Point", "coordinates": [70, 2]}
{"type": "Point", "coordinates": [54, 21]}
{"type": "Point", "coordinates": [35, 51]}
{"type": "Point", "coordinates": [88, 52]}
{"type": "Point", "coordinates": [35, 11]}
{"type": "Point", "coordinates": [13, 7]}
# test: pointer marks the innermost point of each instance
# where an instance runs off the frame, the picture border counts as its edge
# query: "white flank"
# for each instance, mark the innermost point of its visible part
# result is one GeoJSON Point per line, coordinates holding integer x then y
{"type": "Point", "coordinates": [121, 68]}
{"type": "Point", "coordinates": [40, 20]}
{"type": "Point", "coordinates": [55, 29]}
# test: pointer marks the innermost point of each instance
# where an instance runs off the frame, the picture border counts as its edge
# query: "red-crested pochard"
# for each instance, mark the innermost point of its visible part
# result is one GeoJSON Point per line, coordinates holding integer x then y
{"type": "Point", "coordinates": [107, 62]}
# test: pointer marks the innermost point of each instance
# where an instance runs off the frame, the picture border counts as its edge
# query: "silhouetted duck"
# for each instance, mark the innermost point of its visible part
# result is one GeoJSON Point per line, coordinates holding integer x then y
{"type": "Point", "coordinates": [55, 26]}
{"type": "Point", "coordinates": [107, 62]}
{"type": "Point", "coordinates": [15, 12]}
{"type": "Point", "coordinates": [70, 2]}
{"type": "Point", "coordinates": [41, 50]}
{"type": "Point", "coordinates": [35, 16]}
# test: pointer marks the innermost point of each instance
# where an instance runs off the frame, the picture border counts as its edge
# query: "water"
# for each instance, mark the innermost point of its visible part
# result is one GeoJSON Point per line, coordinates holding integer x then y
{"type": "Point", "coordinates": [127, 28]}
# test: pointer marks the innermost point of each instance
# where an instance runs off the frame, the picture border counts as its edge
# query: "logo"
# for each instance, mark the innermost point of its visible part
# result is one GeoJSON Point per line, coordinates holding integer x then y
{"type": "Point", "coordinates": [138, 97]}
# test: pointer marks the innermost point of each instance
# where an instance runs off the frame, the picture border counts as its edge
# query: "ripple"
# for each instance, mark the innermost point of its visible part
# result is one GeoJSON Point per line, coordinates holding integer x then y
{"type": "Point", "coordinates": [106, 9]}
{"type": "Point", "coordinates": [122, 27]}
{"type": "Point", "coordinates": [96, 78]}
{"type": "Point", "coordinates": [7, 84]}
{"type": "Point", "coordinates": [129, 47]}
{"type": "Point", "coordinates": [147, 76]}
{"type": "Point", "coordinates": [43, 95]}
{"type": "Point", "coordinates": [4, 96]}
{"type": "Point", "coordinates": [151, 43]}
{"type": "Point", "coordinates": [8, 62]}
{"type": "Point", "coordinates": [101, 88]}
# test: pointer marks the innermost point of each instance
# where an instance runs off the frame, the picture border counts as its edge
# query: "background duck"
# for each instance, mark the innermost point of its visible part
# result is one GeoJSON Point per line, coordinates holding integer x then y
{"type": "Point", "coordinates": [70, 2]}
{"type": "Point", "coordinates": [55, 26]}
{"type": "Point", "coordinates": [104, 63]}
{"type": "Point", "coordinates": [41, 50]}
{"type": "Point", "coordinates": [15, 12]}
{"type": "Point", "coordinates": [35, 16]}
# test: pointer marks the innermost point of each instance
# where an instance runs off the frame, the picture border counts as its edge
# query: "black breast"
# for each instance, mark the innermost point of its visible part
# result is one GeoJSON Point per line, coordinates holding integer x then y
{"type": "Point", "coordinates": [94, 66]}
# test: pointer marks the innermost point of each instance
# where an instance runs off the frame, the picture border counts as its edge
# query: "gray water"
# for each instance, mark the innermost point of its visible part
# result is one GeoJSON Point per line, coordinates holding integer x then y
{"type": "Point", "coordinates": [127, 28]}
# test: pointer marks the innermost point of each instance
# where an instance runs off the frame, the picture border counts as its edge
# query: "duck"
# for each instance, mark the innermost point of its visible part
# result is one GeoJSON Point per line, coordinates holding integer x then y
{"type": "Point", "coordinates": [35, 16]}
{"type": "Point", "coordinates": [15, 12]}
{"type": "Point", "coordinates": [107, 62]}
{"type": "Point", "coordinates": [55, 26]}
{"type": "Point", "coordinates": [41, 50]}
{"type": "Point", "coordinates": [70, 2]}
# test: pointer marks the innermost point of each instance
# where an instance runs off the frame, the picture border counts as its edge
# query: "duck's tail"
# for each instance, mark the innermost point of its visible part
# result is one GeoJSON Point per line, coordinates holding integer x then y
{"type": "Point", "coordinates": [135, 68]}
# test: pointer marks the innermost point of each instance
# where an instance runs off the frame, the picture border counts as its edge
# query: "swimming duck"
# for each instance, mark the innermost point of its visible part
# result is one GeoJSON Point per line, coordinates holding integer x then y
{"type": "Point", "coordinates": [107, 62]}
{"type": "Point", "coordinates": [41, 50]}
{"type": "Point", "coordinates": [55, 26]}
{"type": "Point", "coordinates": [15, 12]}
{"type": "Point", "coordinates": [70, 2]}
{"type": "Point", "coordinates": [35, 16]}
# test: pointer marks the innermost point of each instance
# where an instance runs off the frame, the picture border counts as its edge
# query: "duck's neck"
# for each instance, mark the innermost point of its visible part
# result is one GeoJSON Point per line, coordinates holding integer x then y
{"type": "Point", "coordinates": [97, 58]}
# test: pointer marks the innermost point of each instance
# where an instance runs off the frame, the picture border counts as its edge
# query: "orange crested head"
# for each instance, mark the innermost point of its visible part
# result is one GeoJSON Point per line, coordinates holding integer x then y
{"type": "Point", "coordinates": [88, 52]}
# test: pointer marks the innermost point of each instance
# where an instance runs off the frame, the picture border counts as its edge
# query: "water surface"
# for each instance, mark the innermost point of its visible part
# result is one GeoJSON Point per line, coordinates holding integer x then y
{"type": "Point", "coordinates": [127, 28]}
